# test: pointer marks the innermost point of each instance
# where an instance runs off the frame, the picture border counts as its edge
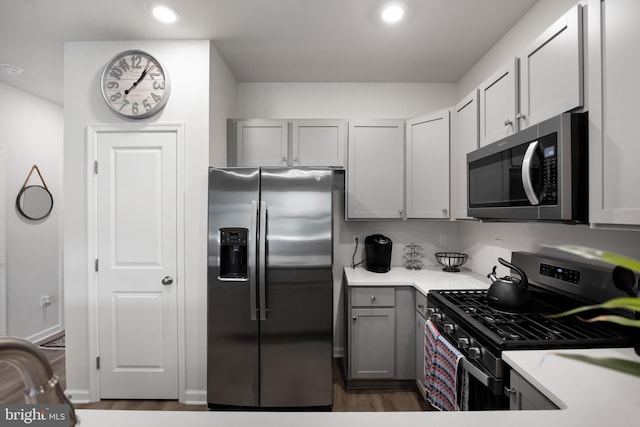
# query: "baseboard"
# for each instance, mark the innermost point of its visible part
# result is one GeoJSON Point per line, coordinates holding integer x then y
{"type": "Point", "coordinates": [338, 352]}
{"type": "Point", "coordinates": [46, 335]}
{"type": "Point", "coordinates": [195, 397]}
{"type": "Point", "coordinates": [78, 396]}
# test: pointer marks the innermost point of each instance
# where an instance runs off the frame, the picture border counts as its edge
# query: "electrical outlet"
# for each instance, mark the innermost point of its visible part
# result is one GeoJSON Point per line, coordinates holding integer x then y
{"type": "Point", "coordinates": [45, 301]}
{"type": "Point", "coordinates": [356, 240]}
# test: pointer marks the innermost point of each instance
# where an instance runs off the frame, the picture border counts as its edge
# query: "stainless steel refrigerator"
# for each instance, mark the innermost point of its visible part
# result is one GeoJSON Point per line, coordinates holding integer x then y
{"type": "Point", "coordinates": [270, 291]}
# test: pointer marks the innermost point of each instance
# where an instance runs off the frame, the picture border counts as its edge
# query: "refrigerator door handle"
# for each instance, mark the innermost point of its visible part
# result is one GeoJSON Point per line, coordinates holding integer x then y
{"type": "Point", "coordinates": [262, 261]}
{"type": "Point", "coordinates": [253, 303]}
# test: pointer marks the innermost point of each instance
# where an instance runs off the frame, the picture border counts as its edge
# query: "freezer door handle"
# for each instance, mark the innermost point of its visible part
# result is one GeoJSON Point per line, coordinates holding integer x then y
{"type": "Point", "coordinates": [253, 303]}
{"type": "Point", "coordinates": [262, 261]}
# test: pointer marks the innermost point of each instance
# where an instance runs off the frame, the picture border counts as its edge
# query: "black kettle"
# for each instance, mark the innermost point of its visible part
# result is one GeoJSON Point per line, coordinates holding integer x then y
{"type": "Point", "coordinates": [508, 293]}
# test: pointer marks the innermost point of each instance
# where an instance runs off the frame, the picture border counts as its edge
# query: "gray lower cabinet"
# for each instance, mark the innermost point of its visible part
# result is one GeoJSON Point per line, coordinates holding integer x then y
{"type": "Point", "coordinates": [380, 335]}
{"type": "Point", "coordinates": [372, 330]}
{"type": "Point", "coordinates": [524, 396]}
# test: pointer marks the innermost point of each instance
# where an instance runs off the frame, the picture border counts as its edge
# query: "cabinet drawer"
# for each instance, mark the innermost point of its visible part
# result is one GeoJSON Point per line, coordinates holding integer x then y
{"type": "Point", "coordinates": [372, 297]}
{"type": "Point", "coordinates": [421, 304]}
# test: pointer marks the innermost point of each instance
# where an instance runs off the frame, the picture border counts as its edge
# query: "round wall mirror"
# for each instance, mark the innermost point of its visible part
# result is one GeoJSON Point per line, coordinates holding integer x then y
{"type": "Point", "coordinates": [34, 202]}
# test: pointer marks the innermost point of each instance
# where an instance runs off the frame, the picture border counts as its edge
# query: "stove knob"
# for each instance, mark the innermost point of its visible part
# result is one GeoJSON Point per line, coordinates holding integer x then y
{"type": "Point", "coordinates": [474, 353]}
{"type": "Point", "coordinates": [437, 316]}
{"type": "Point", "coordinates": [449, 328]}
{"type": "Point", "coordinates": [430, 312]}
{"type": "Point", "coordinates": [463, 342]}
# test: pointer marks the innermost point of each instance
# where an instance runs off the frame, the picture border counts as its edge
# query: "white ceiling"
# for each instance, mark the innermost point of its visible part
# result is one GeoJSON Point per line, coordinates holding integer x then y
{"type": "Point", "coordinates": [266, 40]}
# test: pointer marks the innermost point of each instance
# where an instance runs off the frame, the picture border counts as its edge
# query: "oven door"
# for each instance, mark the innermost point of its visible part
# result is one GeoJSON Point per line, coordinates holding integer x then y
{"type": "Point", "coordinates": [485, 392]}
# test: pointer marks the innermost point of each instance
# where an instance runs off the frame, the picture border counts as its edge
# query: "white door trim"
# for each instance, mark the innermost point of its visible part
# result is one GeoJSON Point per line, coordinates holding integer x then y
{"type": "Point", "coordinates": [93, 131]}
{"type": "Point", "coordinates": [3, 240]}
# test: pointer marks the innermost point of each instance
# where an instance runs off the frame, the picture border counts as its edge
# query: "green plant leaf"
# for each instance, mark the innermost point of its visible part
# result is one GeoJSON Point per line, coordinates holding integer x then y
{"type": "Point", "coordinates": [620, 320]}
{"type": "Point", "coordinates": [628, 303]}
{"type": "Point", "coordinates": [620, 365]}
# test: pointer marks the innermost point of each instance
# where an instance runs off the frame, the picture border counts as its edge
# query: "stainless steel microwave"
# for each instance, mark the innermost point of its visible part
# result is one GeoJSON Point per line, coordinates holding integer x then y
{"type": "Point", "coordinates": [537, 174]}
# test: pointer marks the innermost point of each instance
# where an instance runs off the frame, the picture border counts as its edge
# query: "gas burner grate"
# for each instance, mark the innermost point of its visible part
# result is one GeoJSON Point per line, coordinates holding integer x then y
{"type": "Point", "coordinates": [532, 327]}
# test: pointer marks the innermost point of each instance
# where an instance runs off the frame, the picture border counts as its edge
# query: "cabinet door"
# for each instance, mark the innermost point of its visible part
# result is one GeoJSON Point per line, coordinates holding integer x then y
{"type": "Point", "coordinates": [405, 342]}
{"type": "Point", "coordinates": [318, 142]}
{"type": "Point", "coordinates": [375, 173]}
{"type": "Point", "coordinates": [466, 139]}
{"type": "Point", "coordinates": [499, 103]}
{"type": "Point", "coordinates": [551, 71]}
{"type": "Point", "coordinates": [262, 142]}
{"type": "Point", "coordinates": [419, 362]}
{"type": "Point", "coordinates": [372, 337]}
{"type": "Point", "coordinates": [427, 161]}
{"type": "Point", "coordinates": [614, 93]}
{"type": "Point", "coordinates": [524, 396]}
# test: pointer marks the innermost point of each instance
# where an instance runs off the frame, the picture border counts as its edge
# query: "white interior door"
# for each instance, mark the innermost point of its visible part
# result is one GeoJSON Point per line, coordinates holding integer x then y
{"type": "Point", "coordinates": [137, 258]}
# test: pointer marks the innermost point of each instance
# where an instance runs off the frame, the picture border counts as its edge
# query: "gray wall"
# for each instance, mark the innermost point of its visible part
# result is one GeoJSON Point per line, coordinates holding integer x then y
{"type": "Point", "coordinates": [32, 132]}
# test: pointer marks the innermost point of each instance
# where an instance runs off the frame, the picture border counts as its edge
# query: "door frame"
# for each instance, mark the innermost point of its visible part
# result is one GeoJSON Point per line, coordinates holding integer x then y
{"type": "Point", "coordinates": [93, 132]}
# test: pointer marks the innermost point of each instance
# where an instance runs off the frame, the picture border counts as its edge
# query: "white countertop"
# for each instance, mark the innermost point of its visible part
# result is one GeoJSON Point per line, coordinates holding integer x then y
{"type": "Point", "coordinates": [425, 280]}
{"type": "Point", "coordinates": [590, 396]}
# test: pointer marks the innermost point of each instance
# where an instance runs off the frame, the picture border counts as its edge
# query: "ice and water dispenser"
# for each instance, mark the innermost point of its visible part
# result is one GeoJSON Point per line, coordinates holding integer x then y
{"type": "Point", "coordinates": [233, 254]}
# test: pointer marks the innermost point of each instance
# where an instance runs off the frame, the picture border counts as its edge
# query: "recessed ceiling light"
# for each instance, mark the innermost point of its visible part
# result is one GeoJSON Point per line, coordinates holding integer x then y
{"type": "Point", "coordinates": [392, 12]}
{"type": "Point", "coordinates": [12, 70]}
{"type": "Point", "coordinates": [164, 13]}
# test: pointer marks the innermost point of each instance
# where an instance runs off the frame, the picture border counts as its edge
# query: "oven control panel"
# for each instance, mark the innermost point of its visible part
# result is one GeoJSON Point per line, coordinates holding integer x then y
{"type": "Point", "coordinates": [560, 273]}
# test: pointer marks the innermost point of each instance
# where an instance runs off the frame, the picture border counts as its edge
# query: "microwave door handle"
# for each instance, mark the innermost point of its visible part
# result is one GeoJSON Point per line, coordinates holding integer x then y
{"type": "Point", "coordinates": [526, 174]}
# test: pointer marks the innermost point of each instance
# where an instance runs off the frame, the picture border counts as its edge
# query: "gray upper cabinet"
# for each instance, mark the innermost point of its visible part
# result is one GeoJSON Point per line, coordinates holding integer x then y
{"type": "Point", "coordinates": [499, 104]}
{"type": "Point", "coordinates": [427, 166]}
{"type": "Point", "coordinates": [318, 142]}
{"type": "Point", "coordinates": [551, 71]}
{"type": "Point", "coordinates": [261, 143]}
{"type": "Point", "coordinates": [614, 61]}
{"type": "Point", "coordinates": [545, 81]}
{"type": "Point", "coordinates": [466, 139]}
{"type": "Point", "coordinates": [375, 170]}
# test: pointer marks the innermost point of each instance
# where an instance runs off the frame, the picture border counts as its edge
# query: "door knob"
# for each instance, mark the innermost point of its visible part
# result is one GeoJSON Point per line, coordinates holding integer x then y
{"type": "Point", "coordinates": [167, 280]}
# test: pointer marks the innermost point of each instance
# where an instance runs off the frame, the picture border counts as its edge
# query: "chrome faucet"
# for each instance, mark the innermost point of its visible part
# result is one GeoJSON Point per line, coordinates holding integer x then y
{"type": "Point", "coordinates": [41, 383]}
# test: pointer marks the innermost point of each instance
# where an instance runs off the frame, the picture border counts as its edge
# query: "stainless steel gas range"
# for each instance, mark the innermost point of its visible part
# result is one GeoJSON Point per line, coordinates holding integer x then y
{"type": "Point", "coordinates": [481, 333]}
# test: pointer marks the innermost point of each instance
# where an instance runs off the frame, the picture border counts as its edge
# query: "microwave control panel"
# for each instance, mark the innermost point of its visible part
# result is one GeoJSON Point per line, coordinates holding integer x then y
{"type": "Point", "coordinates": [549, 170]}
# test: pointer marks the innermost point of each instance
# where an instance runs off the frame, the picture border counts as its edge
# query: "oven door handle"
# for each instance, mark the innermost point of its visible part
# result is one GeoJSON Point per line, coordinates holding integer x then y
{"type": "Point", "coordinates": [526, 174]}
{"type": "Point", "coordinates": [495, 385]}
{"type": "Point", "coordinates": [475, 372]}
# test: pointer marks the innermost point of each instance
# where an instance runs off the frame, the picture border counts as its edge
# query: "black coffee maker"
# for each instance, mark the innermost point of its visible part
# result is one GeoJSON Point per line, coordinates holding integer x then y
{"type": "Point", "coordinates": [377, 250]}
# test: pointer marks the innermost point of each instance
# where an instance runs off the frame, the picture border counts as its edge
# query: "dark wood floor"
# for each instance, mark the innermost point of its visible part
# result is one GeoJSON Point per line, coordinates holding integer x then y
{"type": "Point", "coordinates": [350, 401]}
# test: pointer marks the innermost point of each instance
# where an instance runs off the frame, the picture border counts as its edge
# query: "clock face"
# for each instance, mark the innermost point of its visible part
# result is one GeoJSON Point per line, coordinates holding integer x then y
{"type": "Point", "coordinates": [135, 85]}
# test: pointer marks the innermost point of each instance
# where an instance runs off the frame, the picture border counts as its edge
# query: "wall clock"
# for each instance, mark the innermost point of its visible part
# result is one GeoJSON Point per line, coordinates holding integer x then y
{"type": "Point", "coordinates": [135, 85]}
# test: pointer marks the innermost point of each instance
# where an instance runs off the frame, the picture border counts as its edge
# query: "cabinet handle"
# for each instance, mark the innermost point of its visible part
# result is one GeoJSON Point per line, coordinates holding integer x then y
{"type": "Point", "coordinates": [373, 298]}
{"type": "Point", "coordinates": [400, 212]}
{"type": "Point", "coordinates": [444, 211]}
{"type": "Point", "coordinates": [509, 390]}
{"type": "Point", "coordinates": [508, 122]}
{"type": "Point", "coordinates": [420, 306]}
{"type": "Point", "coordinates": [284, 159]}
{"type": "Point", "coordinates": [521, 116]}
{"type": "Point", "coordinates": [295, 159]}
{"type": "Point", "coordinates": [355, 318]}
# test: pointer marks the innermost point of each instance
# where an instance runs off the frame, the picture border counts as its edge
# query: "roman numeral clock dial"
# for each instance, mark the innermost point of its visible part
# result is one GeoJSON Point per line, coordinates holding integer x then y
{"type": "Point", "coordinates": [135, 85]}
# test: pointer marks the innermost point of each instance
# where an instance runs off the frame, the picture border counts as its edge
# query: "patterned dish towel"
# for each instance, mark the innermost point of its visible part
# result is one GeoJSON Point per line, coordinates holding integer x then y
{"type": "Point", "coordinates": [442, 361]}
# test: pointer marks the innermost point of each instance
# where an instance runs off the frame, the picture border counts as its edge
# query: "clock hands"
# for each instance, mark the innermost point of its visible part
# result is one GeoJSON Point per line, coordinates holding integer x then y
{"type": "Point", "coordinates": [144, 73]}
